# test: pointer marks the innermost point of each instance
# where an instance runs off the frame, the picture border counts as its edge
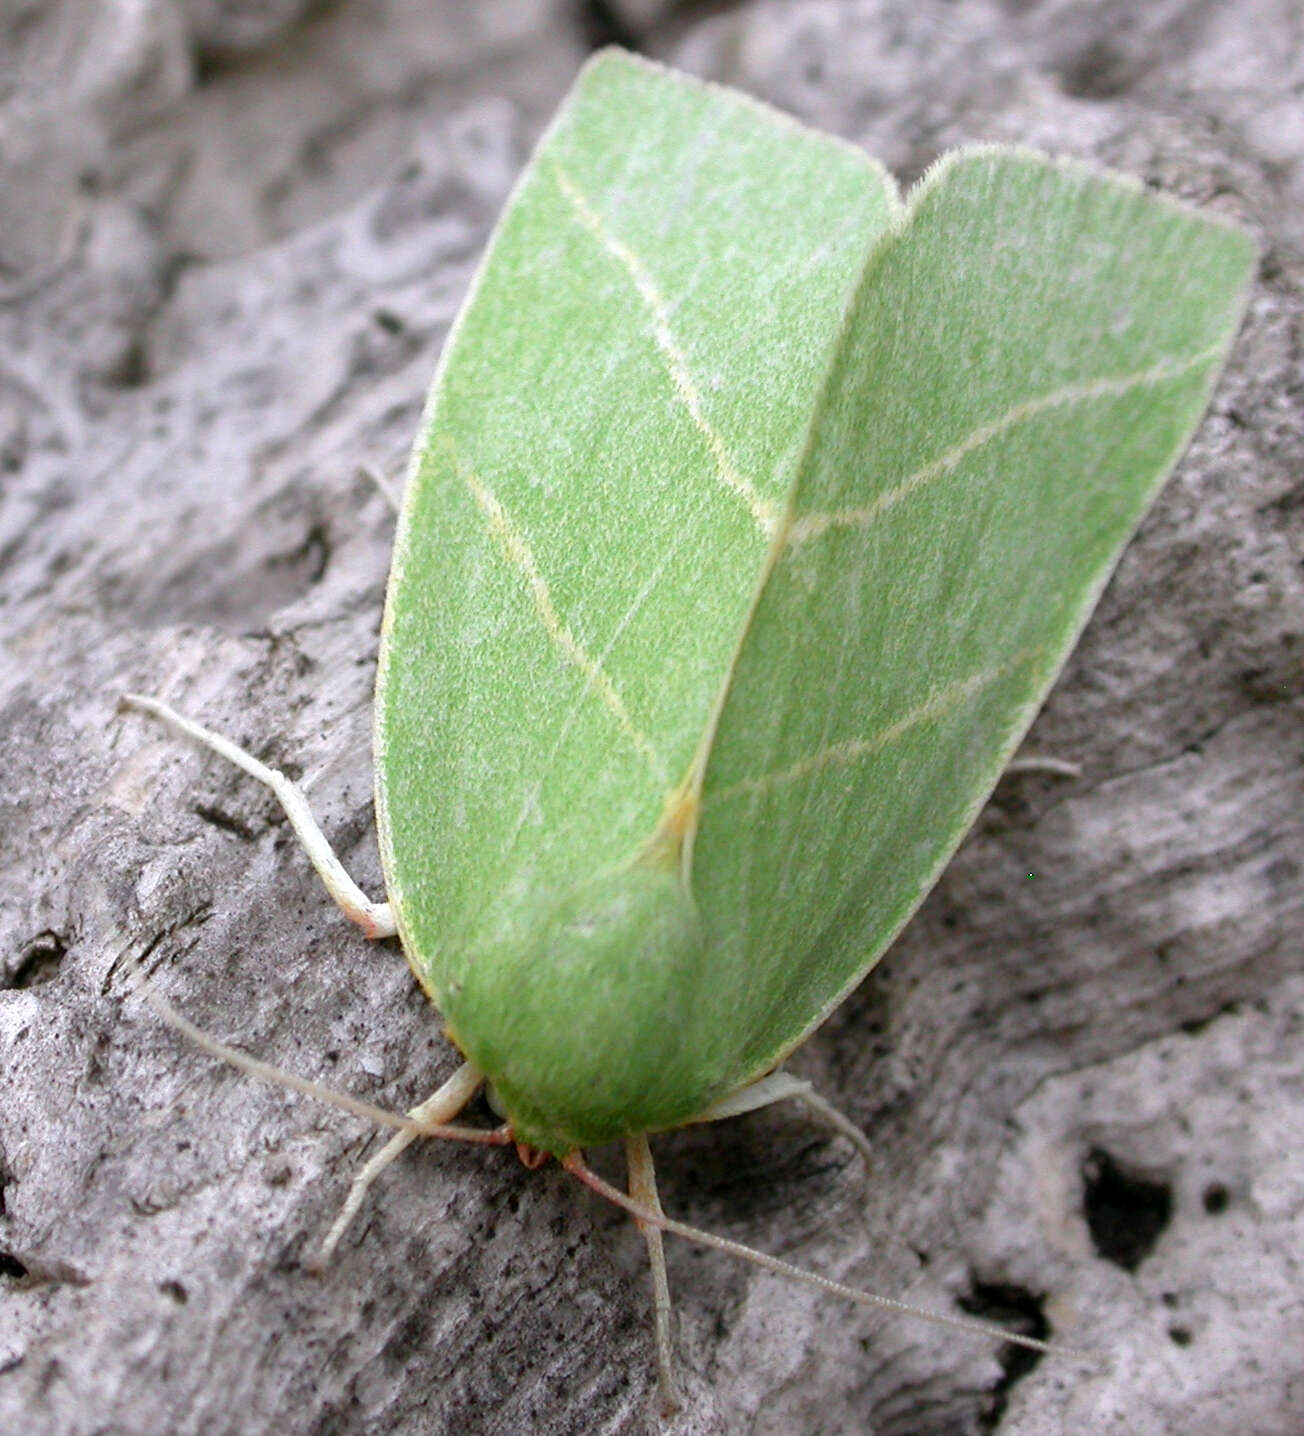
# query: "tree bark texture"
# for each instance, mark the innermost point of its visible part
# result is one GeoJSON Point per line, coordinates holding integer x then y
{"type": "Point", "coordinates": [232, 238]}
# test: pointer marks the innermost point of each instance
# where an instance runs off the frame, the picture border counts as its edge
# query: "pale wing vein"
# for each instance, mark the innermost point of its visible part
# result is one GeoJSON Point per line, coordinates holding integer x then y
{"type": "Point", "coordinates": [515, 548]}
{"type": "Point", "coordinates": [937, 705]}
{"type": "Point", "coordinates": [765, 512]}
{"type": "Point", "coordinates": [810, 526]}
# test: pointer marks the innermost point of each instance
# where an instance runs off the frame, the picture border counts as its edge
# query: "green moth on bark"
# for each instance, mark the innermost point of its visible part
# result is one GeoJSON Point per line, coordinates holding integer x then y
{"type": "Point", "coordinates": [753, 513]}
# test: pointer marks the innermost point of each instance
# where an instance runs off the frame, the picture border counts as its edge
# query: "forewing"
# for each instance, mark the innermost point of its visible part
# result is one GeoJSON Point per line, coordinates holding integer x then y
{"type": "Point", "coordinates": [610, 438]}
{"type": "Point", "coordinates": [1026, 358]}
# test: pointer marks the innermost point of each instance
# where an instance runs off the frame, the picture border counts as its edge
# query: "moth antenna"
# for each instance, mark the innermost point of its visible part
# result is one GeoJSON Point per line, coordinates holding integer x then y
{"type": "Point", "coordinates": [574, 1164]}
{"type": "Point", "coordinates": [265, 1072]}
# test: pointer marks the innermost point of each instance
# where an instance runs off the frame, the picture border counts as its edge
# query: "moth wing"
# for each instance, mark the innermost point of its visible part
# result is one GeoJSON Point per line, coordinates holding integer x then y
{"type": "Point", "coordinates": [1026, 358]}
{"type": "Point", "coordinates": [608, 441]}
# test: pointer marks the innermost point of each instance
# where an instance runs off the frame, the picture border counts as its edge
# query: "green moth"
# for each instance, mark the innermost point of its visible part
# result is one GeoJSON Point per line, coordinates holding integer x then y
{"type": "Point", "coordinates": [752, 517]}
{"type": "Point", "coordinates": [753, 513]}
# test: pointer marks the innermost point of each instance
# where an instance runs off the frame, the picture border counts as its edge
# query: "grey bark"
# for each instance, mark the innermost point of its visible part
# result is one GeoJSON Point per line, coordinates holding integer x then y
{"type": "Point", "coordinates": [233, 237]}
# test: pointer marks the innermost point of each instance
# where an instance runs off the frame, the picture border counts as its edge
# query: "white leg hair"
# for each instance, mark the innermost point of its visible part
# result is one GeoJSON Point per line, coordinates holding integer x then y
{"type": "Point", "coordinates": [376, 919]}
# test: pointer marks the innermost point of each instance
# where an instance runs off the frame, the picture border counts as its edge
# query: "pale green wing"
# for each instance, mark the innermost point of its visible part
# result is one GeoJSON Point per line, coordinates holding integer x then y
{"type": "Point", "coordinates": [613, 429]}
{"type": "Point", "coordinates": [1027, 356]}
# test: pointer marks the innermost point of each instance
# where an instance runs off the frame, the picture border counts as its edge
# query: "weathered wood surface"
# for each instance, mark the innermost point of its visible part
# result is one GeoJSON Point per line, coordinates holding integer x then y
{"type": "Point", "coordinates": [233, 238]}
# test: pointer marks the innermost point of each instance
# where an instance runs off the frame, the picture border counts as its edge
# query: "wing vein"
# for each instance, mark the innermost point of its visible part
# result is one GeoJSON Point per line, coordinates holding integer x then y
{"type": "Point", "coordinates": [809, 526]}
{"type": "Point", "coordinates": [937, 705]}
{"type": "Point", "coordinates": [516, 550]}
{"type": "Point", "coordinates": [764, 511]}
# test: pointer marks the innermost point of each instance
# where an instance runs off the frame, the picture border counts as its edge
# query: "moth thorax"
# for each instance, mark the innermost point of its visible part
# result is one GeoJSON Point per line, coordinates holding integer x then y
{"type": "Point", "coordinates": [586, 1014]}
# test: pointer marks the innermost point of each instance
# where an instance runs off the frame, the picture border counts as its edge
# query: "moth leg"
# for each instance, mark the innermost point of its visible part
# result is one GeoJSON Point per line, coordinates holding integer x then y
{"type": "Point", "coordinates": [389, 492]}
{"type": "Point", "coordinates": [442, 1106]}
{"type": "Point", "coordinates": [824, 1110]}
{"type": "Point", "coordinates": [1060, 767]}
{"type": "Point", "coordinates": [643, 1189]}
{"type": "Point", "coordinates": [376, 919]}
{"type": "Point", "coordinates": [780, 1087]}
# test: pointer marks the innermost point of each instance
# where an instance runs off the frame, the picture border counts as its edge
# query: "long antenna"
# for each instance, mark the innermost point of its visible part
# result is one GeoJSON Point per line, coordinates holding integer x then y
{"type": "Point", "coordinates": [495, 1137]}
{"type": "Point", "coordinates": [574, 1164]}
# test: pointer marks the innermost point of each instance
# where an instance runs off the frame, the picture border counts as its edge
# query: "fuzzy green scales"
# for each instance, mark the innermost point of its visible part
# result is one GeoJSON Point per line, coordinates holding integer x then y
{"type": "Point", "coordinates": [752, 516]}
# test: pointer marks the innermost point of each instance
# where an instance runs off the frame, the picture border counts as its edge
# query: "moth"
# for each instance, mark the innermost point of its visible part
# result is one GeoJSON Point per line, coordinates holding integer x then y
{"type": "Point", "coordinates": [754, 511]}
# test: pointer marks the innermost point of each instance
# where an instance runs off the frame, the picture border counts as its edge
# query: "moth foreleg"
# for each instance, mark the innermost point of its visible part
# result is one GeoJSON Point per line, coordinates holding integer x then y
{"type": "Point", "coordinates": [376, 919]}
